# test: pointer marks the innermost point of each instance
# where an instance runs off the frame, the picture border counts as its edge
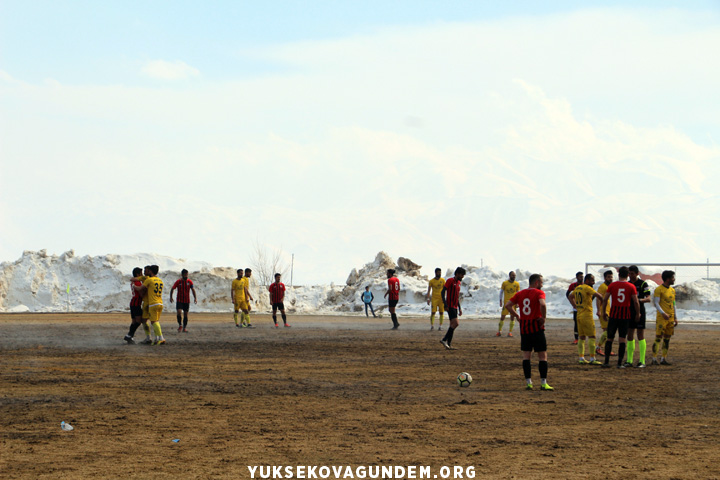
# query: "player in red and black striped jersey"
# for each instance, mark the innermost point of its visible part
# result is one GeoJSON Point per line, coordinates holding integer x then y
{"type": "Point", "coordinates": [451, 299]}
{"type": "Point", "coordinates": [579, 280]}
{"type": "Point", "coordinates": [136, 308]}
{"type": "Point", "coordinates": [393, 294]}
{"type": "Point", "coordinates": [624, 297]}
{"type": "Point", "coordinates": [533, 312]}
{"type": "Point", "coordinates": [277, 295]}
{"type": "Point", "coordinates": [184, 286]}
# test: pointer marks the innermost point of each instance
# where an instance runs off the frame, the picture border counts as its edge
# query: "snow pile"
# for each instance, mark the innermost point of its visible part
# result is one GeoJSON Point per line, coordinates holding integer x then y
{"type": "Point", "coordinates": [38, 282]}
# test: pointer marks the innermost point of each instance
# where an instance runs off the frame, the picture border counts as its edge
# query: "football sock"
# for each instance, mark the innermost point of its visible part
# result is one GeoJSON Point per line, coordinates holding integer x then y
{"type": "Point", "coordinates": [591, 344]}
{"type": "Point", "coordinates": [146, 327]}
{"type": "Point", "coordinates": [643, 348]}
{"type": "Point", "coordinates": [575, 330]}
{"type": "Point", "coordinates": [603, 338]}
{"type": "Point", "coordinates": [274, 318]}
{"type": "Point", "coordinates": [179, 319]}
{"type": "Point", "coordinates": [441, 318]}
{"type": "Point", "coordinates": [157, 330]}
{"type": "Point", "coordinates": [500, 325]}
{"type": "Point", "coordinates": [235, 317]}
{"type": "Point", "coordinates": [527, 370]}
{"type": "Point", "coordinates": [630, 351]}
{"type": "Point", "coordinates": [432, 319]}
{"type": "Point", "coordinates": [666, 346]}
{"type": "Point", "coordinates": [133, 328]}
{"type": "Point", "coordinates": [621, 352]}
{"type": "Point", "coordinates": [247, 318]}
{"type": "Point", "coordinates": [608, 350]}
{"type": "Point", "coordinates": [394, 319]}
{"type": "Point", "coordinates": [543, 367]}
{"type": "Point", "coordinates": [512, 324]}
{"type": "Point", "coordinates": [284, 317]}
{"type": "Point", "coordinates": [581, 348]}
{"type": "Point", "coordinates": [449, 335]}
{"type": "Point", "coordinates": [185, 320]}
{"type": "Point", "coordinates": [656, 346]}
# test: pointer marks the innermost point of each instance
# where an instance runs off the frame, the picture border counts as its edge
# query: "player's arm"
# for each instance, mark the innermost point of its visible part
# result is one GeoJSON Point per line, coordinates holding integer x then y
{"type": "Point", "coordinates": [171, 292]}
{"type": "Point", "coordinates": [192, 289]}
{"type": "Point", "coordinates": [443, 295]}
{"type": "Point", "coordinates": [510, 307]}
{"type": "Point", "coordinates": [270, 294]}
{"type": "Point", "coordinates": [603, 305]}
{"type": "Point", "coordinates": [543, 311]}
{"type": "Point", "coordinates": [459, 306]}
{"type": "Point", "coordinates": [501, 296]}
{"type": "Point", "coordinates": [571, 299]}
{"type": "Point", "coordinates": [372, 297]}
{"type": "Point", "coordinates": [232, 295]}
{"type": "Point", "coordinates": [387, 291]}
{"type": "Point", "coordinates": [646, 291]}
{"type": "Point", "coordinates": [636, 304]}
{"type": "Point", "coordinates": [674, 314]}
{"type": "Point", "coordinates": [427, 294]}
{"type": "Point", "coordinates": [659, 308]}
{"type": "Point", "coordinates": [247, 294]}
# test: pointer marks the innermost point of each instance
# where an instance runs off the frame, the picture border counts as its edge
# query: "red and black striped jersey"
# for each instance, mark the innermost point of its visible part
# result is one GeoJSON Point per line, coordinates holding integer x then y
{"type": "Point", "coordinates": [394, 288]}
{"type": "Point", "coordinates": [183, 287]}
{"type": "Point", "coordinates": [621, 299]}
{"type": "Point", "coordinates": [277, 292]}
{"type": "Point", "coordinates": [528, 302]}
{"type": "Point", "coordinates": [452, 292]}
{"type": "Point", "coordinates": [136, 299]}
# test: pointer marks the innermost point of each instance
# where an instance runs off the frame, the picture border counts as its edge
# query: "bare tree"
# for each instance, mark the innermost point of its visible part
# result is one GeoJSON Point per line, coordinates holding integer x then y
{"type": "Point", "coordinates": [266, 262]}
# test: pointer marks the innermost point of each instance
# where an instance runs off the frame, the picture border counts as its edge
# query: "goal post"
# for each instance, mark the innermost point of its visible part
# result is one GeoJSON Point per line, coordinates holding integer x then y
{"type": "Point", "coordinates": [684, 272]}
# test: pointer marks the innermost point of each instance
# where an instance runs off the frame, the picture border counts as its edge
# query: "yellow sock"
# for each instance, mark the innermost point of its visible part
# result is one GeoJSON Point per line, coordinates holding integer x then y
{"type": "Point", "coordinates": [591, 344]}
{"type": "Point", "coordinates": [157, 329]}
{"type": "Point", "coordinates": [432, 319]}
{"type": "Point", "coordinates": [146, 327]}
{"type": "Point", "coordinates": [246, 316]}
{"type": "Point", "coordinates": [603, 338]}
{"type": "Point", "coordinates": [500, 325]}
{"type": "Point", "coordinates": [581, 348]}
{"type": "Point", "coordinates": [441, 318]}
{"type": "Point", "coordinates": [666, 347]}
{"type": "Point", "coordinates": [656, 346]}
{"type": "Point", "coordinates": [512, 324]}
{"type": "Point", "coordinates": [235, 317]}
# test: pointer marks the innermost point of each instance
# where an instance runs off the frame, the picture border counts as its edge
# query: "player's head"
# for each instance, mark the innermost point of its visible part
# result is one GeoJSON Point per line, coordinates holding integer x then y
{"type": "Point", "coordinates": [623, 272]}
{"type": "Point", "coordinates": [608, 276]}
{"type": "Point", "coordinates": [248, 272]}
{"type": "Point", "coordinates": [137, 271]}
{"type": "Point", "coordinates": [668, 277]}
{"type": "Point", "coordinates": [154, 269]}
{"type": "Point", "coordinates": [512, 276]}
{"type": "Point", "coordinates": [535, 281]}
{"type": "Point", "coordinates": [438, 272]}
{"type": "Point", "coordinates": [459, 273]}
{"type": "Point", "coordinates": [634, 272]}
{"type": "Point", "coordinates": [590, 279]}
{"type": "Point", "coordinates": [579, 277]}
{"type": "Point", "coordinates": [240, 272]}
{"type": "Point", "coordinates": [367, 289]}
{"type": "Point", "coordinates": [184, 273]}
{"type": "Point", "coordinates": [146, 270]}
{"type": "Point", "coordinates": [277, 277]}
{"type": "Point", "coordinates": [390, 273]}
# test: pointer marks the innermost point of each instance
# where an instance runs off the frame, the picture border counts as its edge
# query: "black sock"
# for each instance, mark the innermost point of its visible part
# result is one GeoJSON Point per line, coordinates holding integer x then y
{"type": "Point", "coordinates": [666, 343]}
{"type": "Point", "coordinates": [284, 317]}
{"type": "Point", "coordinates": [133, 328]}
{"type": "Point", "coordinates": [621, 352]}
{"type": "Point", "coordinates": [608, 350]}
{"type": "Point", "coordinates": [526, 369]}
{"type": "Point", "coordinates": [185, 320]}
{"type": "Point", "coordinates": [275, 319]}
{"type": "Point", "coordinates": [543, 367]}
{"type": "Point", "coordinates": [575, 327]}
{"type": "Point", "coordinates": [449, 334]}
{"type": "Point", "coordinates": [179, 319]}
{"type": "Point", "coordinates": [394, 319]}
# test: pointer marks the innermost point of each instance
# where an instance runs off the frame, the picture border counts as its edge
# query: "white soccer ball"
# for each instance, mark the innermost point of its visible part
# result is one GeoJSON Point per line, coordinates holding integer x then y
{"type": "Point", "coordinates": [464, 379]}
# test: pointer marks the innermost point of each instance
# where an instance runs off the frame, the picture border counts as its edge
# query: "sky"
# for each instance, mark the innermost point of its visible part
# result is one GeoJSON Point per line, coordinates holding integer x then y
{"type": "Point", "coordinates": [531, 135]}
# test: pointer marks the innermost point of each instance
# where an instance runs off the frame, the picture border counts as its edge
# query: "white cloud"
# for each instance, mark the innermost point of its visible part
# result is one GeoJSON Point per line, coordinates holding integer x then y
{"type": "Point", "coordinates": [164, 70]}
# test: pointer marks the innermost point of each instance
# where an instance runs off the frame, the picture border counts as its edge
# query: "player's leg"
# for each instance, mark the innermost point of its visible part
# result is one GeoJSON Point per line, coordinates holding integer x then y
{"type": "Point", "coordinates": [611, 330]}
{"type": "Point", "coordinates": [155, 312]}
{"type": "Point", "coordinates": [178, 313]}
{"type": "Point", "coordinates": [236, 308]}
{"type": "Point", "coordinates": [526, 347]}
{"type": "Point", "coordinates": [575, 327]}
{"type": "Point", "coordinates": [630, 346]}
{"type": "Point", "coordinates": [186, 310]}
{"type": "Point", "coordinates": [581, 349]}
{"type": "Point", "coordinates": [501, 323]}
{"type": "Point", "coordinates": [448, 338]}
{"type": "Point", "coordinates": [246, 317]}
{"type": "Point", "coordinates": [543, 361]}
{"type": "Point", "coordinates": [393, 316]}
{"type": "Point", "coordinates": [366, 310]}
{"type": "Point", "coordinates": [659, 329]}
{"type": "Point", "coordinates": [274, 313]}
{"type": "Point", "coordinates": [135, 322]}
{"type": "Point", "coordinates": [441, 309]}
{"type": "Point", "coordinates": [433, 309]}
{"type": "Point", "coordinates": [641, 345]}
{"type": "Point", "coordinates": [667, 334]}
{"type": "Point", "coordinates": [622, 339]}
{"type": "Point", "coordinates": [283, 315]}
{"type": "Point", "coordinates": [512, 325]}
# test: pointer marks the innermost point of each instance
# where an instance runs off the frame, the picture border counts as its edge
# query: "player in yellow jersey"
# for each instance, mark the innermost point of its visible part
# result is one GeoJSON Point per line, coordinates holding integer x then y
{"type": "Point", "coordinates": [581, 299]}
{"type": "Point", "coordinates": [248, 298]}
{"type": "Point", "coordinates": [666, 319]}
{"type": "Point", "coordinates": [138, 280]}
{"type": "Point", "coordinates": [508, 288]}
{"type": "Point", "coordinates": [153, 287]}
{"type": "Point", "coordinates": [434, 298]}
{"type": "Point", "coordinates": [237, 295]}
{"type": "Point", "coordinates": [608, 276]}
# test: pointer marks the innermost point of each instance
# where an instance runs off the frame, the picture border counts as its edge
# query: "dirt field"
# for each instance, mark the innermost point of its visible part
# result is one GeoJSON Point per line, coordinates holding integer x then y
{"type": "Point", "coordinates": [342, 391]}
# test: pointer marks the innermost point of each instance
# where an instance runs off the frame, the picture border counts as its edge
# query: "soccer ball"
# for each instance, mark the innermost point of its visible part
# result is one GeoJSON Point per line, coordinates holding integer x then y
{"type": "Point", "coordinates": [464, 379]}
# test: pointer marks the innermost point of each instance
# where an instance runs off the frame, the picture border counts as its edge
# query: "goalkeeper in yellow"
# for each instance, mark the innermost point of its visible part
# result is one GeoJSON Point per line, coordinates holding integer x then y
{"type": "Point", "coordinates": [581, 299]}
{"type": "Point", "coordinates": [434, 298]}
{"type": "Point", "coordinates": [666, 319]}
{"type": "Point", "coordinates": [152, 286]}
{"type": "Point", "coordinates": [237, 297]}
{"type": "Point", "coordinates": [509, 288]}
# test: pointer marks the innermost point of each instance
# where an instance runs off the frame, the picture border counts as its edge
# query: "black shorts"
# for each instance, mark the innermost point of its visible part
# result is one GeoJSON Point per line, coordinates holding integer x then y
{"type": "Point", "coordinates": [639, 325]}
{"type": "Point", "coordinates": [533, 341]}
{"type": "Point", "coordinates": [183, 306]}
{"type": "Point", "coordinates": [392, 303]}
{"type": "Point", "coordinates": [619, 326]}
{"type": "Point", "coordinates": [452, 313]}
{"type": "Point", "coordinates": [135, 311]}
{"type": "Point", "coordinates": [278, 306]}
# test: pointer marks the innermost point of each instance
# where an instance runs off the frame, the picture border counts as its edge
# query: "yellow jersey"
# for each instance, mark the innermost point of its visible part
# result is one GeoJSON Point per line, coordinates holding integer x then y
{"type": "Point", "coordinates": [246, 284]}
{"type": "Point", "coordinates": [602, 289]}
{"type": "Point", "coordinates": [154, 290]}
{"type": "Point", "coordinates": [509, 289]}
{"type": "Point", "coordinates": [667, 300]}
{"type": "Point", "coordinates": [238, 289]}
{"type": "Point", "coordinates": [584, 298]}
{"type": "Point", "coordinates": [436, 285]}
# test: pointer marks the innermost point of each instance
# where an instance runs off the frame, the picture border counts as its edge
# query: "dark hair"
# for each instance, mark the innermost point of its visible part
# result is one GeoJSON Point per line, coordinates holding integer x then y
{"type": "Point", "coordinates": [184, 270]}
{"type": "Point", "coordinates": [276, 275]}
{"type": "Point", "coordinates": [240, 270]}
{"type": "Point", "coordinates": [438, 269]}
{"type": "Point", "coordinates": [460, 270]}
{"type": "Point", "coordinates": [588, 277]}
{"type": "Point", "coordinates": [610, 272]}
{"type": "Point", "coordinates": [391, 271]}
{"type": "Point", "coordinates": [248, 270]}
{"type": "Point", "coordinates": [137, 271]}
{"type": "Point", "coordinates": [667, 274]}
{"type": "Point", "coordinates": [155, 269]}
{"type": "Point", "coordinates": [633, 268]}
{"type": "Point", "coordinates": [623, 272]}
{"type": "Point", "coordinates": [534, 278]}
{"type": "Point", "coordinates": [578, 273]}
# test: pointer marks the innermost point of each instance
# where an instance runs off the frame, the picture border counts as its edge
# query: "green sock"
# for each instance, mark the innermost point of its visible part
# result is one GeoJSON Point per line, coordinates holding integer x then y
{"type": "Point", "coordinates": [500, 325]}
{"type": "Point", "coordinates": [581, 348]}
{"type": "Point", "coordinates": [235, 317]}
{"type": "Point", "coordinates": [512, 324]}
{"type": "Point", "coordinates": [432, 319]}
{"type": "Point", "coordinates": [643, 348]}
{"type": "Point", "coordinates": [630, 350]}
{"type": "Point", "coordinates": [603, 339]}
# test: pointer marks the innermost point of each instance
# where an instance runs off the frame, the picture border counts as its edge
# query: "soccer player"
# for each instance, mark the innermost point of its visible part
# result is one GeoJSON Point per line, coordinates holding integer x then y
{"type": "Point", "coordinates": [582, 301]}
{"type": "Point", "coordinates": [666, 319]}
{"type": "Point", "coordinates": [393, 295]}
{"type": "Point", "coordinates": [136, 311]}
{"type": "Point", "coordinates": [568, 294]}
{"type": "Point", "coordinates": [153, 287]}
{"type": "Point", "coordinates": [643, 293]}
{"type": "Point", "coordinates": [623, 294]}
{"type": "Point", "coordinates": [508, 288]}
{"type": "Point", "coordinates": [436, 285]}
{"type": "Point", "coordinates": [533, 312]}
{"type": "Point", "coordinates": [451, 299]}
{"type": "Point", "coordinates": [607, 280]}
{"type": "Point", "coordinates": [248, 298]}
{"type": "Point", "coordinates": [184, 286]}
{"type": "Point", "coordinates": [237, 295]}
{"type": "Point", "coordinates": [367, 297]}
{"type": "Point", "coordinates": [277, 295]}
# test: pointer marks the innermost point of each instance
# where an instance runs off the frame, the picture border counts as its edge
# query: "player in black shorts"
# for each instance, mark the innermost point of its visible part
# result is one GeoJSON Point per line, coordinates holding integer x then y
{"type": "Point", "coordinates": [277, 297]}
{"type": "Point", "coordinates": [643, 294]}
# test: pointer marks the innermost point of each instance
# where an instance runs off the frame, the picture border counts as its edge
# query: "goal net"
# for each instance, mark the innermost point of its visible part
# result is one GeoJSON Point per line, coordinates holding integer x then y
{"type": "Point", "coordinates": [684, 272]}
